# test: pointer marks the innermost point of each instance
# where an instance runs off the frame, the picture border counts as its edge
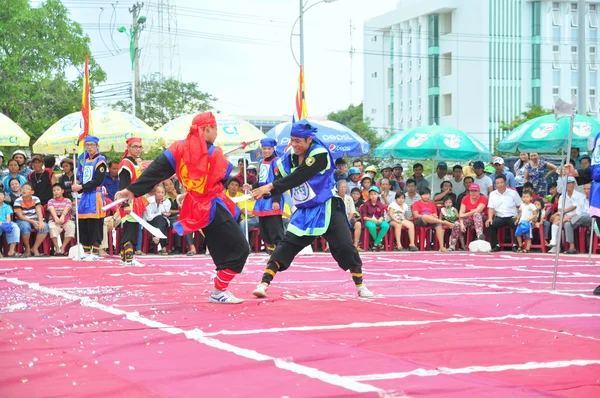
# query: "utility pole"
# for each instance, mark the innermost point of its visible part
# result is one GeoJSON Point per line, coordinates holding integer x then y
{"type": "Point", "coordinates": [581, 62]}
{"type": "Point", "coordinates": [136, 24]}
{"type": "Point", "coordinates": [351, 65]}
{"type": "Point", "coordinates": [301, 20]}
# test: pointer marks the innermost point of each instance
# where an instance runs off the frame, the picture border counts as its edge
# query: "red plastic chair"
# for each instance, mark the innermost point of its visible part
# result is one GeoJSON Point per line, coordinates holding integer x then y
{"type": "Point", "coordinates": [502, 233]}
{"type": "Point", "coordinates": [391, 238]}
{"type": "Point", "coordinates": [422, 235]}
{"type": "Point", "coordinates": [367, 237]}
{"type": "Point", "coordinates": [254, 236]}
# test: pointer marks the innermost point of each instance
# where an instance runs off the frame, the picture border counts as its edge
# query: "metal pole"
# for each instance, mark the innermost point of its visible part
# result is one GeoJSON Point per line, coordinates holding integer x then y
{"type": "Point", "coordinates": [581, 62]}
{"type": "Point", "coordinates": [246, 202]}
{"type": "Point", "coordinates": [132, 51]}
{"type": "Point", "coordinates": [591, 240]}
{"type": "Point", "coordinates": [301, 33]}
{"type": "Point", "coordinates": [75, 169]}
{"type": "Point", "coordinates": [563, 200]}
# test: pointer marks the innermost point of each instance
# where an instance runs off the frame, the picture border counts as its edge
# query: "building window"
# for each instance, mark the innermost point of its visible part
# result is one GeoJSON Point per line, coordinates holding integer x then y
{"type": "Point", "coordinates": [373, 111]}
{"type": "Point", "coordinates": [555, 56]}
{"type": "Point", "coordinates": [573, 91]}
{"type": "Point", "coordinates": [555, 93]}
{"type": "Point", "coordinates": [445, 23]}
{"type": "Point", "coordinates": [374, 75]}
{"type": "Point", "coordinates": [536, 96]}
{"type": "Point", "coordinates": [593, 16]}
{"type": "Point", "coordinates": [391, 115]}
{"type": "Point", "coordinates": [592, 104]}
{"type": "Point", "coordinates": [573, 14]}
{"type": "Point", "coordinates": [593, 65]}
{"type": "Point", "coordinates": [573, 57]}
{"type": "Point", "coordinates": [410, 111]}
{"type": "Point", "coordinates": [433, 109]}
{"type": "Point", "coordinates": [419, 108]}
{"type": "Point", "coordinates": [556, 14]}
{"type": "Point", "coordinates": [374, 38]}
{"type": "Point", "coordinates": [536, 66]}
{"type": "Point", "coordinates": [593, 79]}
{"type": "Point", "coordinates": [556, 78]}
{"type": "Point", "coordinates": [446, 64]}
{"type": "Point", "coordinates": [574, 35]}
{"type": "Point", "coordinates": [419, 70]}
{"type": "Point", "coordinates": [556, 34]}
{"type": "Point", "coordinates": [446, 105]}
{"type": "Point", "coordinates": [409, 34]}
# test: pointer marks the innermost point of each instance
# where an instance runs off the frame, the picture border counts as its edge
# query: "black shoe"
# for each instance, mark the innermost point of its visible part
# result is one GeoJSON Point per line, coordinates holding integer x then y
{"type": "Point", "coordinates": [496, 249]}
{"type": "Point", "coordinates": [597, 291]}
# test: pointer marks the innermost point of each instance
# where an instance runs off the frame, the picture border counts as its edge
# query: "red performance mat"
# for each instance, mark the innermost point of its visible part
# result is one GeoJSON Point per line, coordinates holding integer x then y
{"type": "Point", "coordinates": [440, 325]}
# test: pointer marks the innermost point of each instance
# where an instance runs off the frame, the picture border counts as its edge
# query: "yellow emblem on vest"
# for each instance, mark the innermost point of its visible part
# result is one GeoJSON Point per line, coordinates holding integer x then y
{"type": "Point", "coordinates": [310, 161]}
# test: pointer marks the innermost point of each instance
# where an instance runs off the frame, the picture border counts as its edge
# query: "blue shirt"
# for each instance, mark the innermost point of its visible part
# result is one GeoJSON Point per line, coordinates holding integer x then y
{"type": "Point", "coordinates": [6, 180]}
{"type": "Point", "coordinates": [510, 179]}
{"type": "Point", "coordinates": [5, 210]}
{"type": "Point", "coordinates": [111, 185]}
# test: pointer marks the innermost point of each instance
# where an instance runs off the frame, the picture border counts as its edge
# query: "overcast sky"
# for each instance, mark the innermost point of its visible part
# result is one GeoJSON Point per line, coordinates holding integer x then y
{"type": "Point", "coordinates": [239, 50]}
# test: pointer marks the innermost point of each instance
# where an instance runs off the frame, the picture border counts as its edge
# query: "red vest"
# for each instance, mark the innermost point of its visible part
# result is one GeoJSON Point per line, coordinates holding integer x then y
{"type": "Point", "coordinates": [139, 204]}
{"type": "Point", "coordinates": [198, 208]}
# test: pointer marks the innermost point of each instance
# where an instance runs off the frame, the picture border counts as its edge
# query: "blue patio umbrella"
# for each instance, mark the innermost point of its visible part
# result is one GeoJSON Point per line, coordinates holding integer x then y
{"type": "Point", "coordinates": [340, 140]}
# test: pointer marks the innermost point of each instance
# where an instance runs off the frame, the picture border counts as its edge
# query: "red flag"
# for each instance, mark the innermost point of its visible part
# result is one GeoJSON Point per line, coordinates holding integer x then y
{"type": "Point", "coordinates": [300, 112]}
{"type": "Point", "coordinates": [86, 121]}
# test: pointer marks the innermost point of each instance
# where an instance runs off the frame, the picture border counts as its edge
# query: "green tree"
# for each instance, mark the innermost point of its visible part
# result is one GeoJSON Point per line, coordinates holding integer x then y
{"type": "Point", "coordinates": [39, 47]}
{"type": "Point", "coordinates": [532, 111]}
{"type": "Point", "coordinates": [354, 120]}
{"type": "Point", "coordinates": [162, 99]}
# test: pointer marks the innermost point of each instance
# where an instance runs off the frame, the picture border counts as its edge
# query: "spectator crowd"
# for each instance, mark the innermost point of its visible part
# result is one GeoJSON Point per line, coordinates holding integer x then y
{"type": "Point", "coordinates": [386, 209]}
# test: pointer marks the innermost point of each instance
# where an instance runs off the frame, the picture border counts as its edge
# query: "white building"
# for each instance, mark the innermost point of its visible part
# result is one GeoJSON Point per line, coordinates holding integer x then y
{"type": "Point", "coordinates": [472, 64]}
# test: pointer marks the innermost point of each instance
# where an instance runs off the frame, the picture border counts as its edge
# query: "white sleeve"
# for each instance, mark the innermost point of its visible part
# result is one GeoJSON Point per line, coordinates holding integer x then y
{"type": "Point", "coordinates": [491, 200]}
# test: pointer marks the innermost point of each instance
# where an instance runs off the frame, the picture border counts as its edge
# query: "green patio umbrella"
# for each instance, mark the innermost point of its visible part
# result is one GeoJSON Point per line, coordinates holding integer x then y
{"type": "Point", "coordinates": [545, 134]}
{"type": "Point", "coordinates": [433, 142]}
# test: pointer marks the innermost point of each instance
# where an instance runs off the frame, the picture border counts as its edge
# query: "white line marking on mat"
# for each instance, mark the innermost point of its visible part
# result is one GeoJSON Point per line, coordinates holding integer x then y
{"type": "Point", "coordinates": [202, 338]}
{"type": "Point", "coordinates": [476, 369]}
{"type": "Point", "coordinates": [358, 325]}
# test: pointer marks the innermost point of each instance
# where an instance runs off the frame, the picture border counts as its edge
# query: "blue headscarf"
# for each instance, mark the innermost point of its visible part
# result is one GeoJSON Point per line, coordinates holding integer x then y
{"type": "Point", "coordinates": [303, 129]}
{"type": "Point", "coordinates": [268, 143]}
{"type": "Point", "coordinates": [84, 156]}
{"type": "Point", "coordinates": [91, 138]}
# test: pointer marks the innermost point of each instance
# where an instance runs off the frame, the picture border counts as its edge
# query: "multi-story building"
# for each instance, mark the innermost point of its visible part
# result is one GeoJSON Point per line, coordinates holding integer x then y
{"type": "Point", "coordinates": [472, 64]}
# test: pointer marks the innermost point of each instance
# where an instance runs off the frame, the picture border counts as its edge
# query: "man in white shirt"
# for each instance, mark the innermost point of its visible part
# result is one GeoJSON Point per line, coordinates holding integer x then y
{"type": "Point", "coordinates": [485, 183]}
{"type": "Point", "coordinates": [502, 209]}
{"type": "Point", "coordinates": [411, 197]}
{"type": "Point", "coordinates": [387, 196]}
{"type": "Point", "coordinates": [458, 186]}
{"type": "Point", "coordinates": [577, 214]}
{"type": "Point", "coordinates": [435, 180]}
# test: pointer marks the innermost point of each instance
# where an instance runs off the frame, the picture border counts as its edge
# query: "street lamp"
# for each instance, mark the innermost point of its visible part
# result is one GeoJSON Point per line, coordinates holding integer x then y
{"type": "Point", "coordinates": [133, 34]}
{"type": "Point", "coordinates": [301, 34]}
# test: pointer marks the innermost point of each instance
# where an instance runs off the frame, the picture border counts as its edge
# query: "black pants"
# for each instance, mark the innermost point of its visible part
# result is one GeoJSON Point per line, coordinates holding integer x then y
{"type": "Point", "coordinates": [161, 223]}
{"type": "Point", "coordinates": [337, 235]}
{"type": "Point", "coordinates": [271, 229]}
{"type": "Point", "coordinates": [90, 231]}
{"type": "Point", "coordinates": [130, 233]}
{"type": "Point", "coordinates": [224, 239]}
{"type": "Point", "coordinates": [498, 223]}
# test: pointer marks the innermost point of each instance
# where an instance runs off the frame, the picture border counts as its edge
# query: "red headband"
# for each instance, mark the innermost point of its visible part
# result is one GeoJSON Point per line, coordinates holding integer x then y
{"type": "Point", "coordinates": [133, 140]}
{"type": "Point", "coordinates": [130, 141]}
{"type": "Point", "coordinates": [196, 153]}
